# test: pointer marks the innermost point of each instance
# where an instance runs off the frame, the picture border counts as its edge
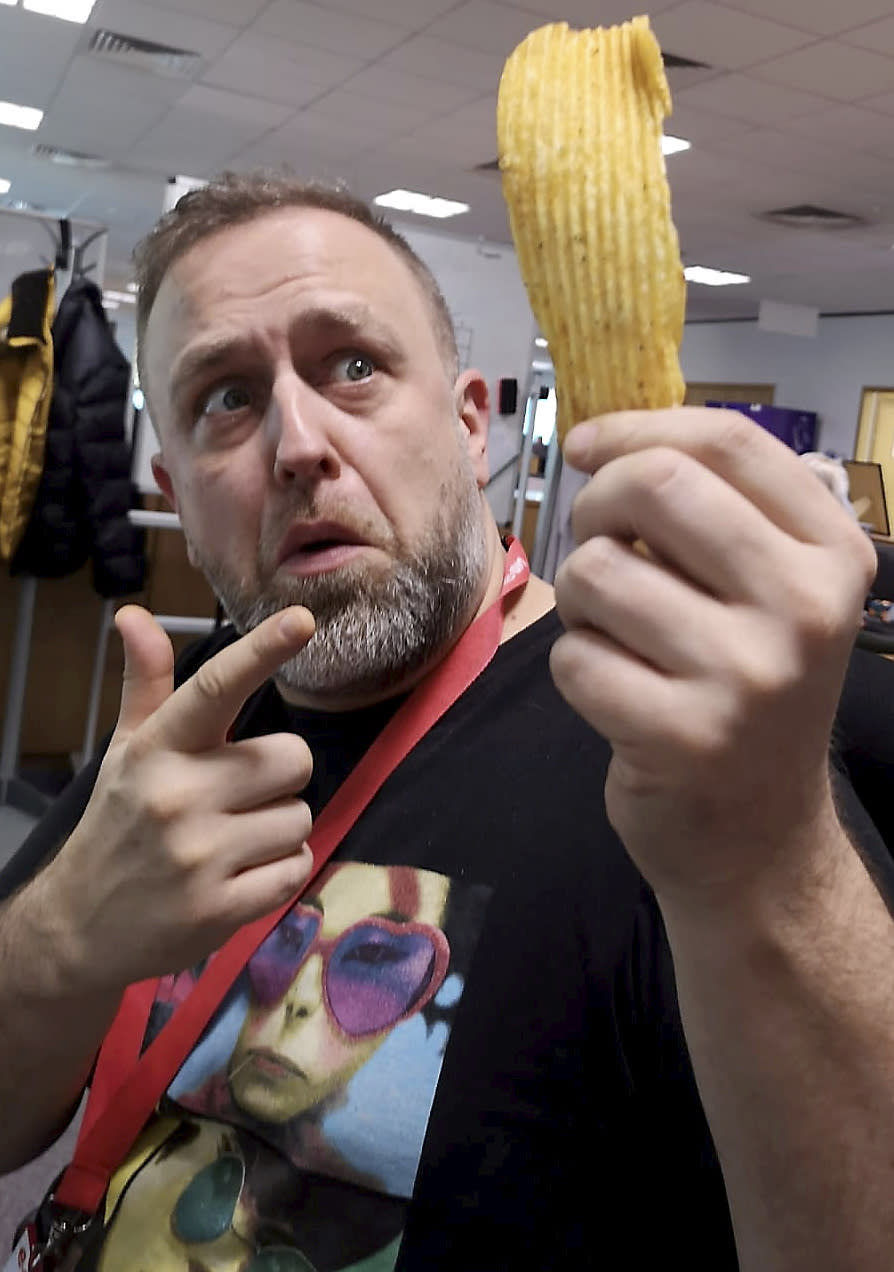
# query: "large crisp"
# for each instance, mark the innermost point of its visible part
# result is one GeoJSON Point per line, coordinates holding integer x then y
{"type": "Point", "coordinates": [579, 123]}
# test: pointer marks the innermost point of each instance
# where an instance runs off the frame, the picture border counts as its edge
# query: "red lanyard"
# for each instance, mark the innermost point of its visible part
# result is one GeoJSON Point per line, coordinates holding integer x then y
{"type": "Point", "coordinates": [127, 1085]}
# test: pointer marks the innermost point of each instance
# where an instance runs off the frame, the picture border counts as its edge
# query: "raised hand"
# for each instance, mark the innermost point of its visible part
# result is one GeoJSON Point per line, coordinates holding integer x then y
{"type": "Point", "coordinates": [186, 836]}
{"type": "Point", "coordinates": [713, 662]}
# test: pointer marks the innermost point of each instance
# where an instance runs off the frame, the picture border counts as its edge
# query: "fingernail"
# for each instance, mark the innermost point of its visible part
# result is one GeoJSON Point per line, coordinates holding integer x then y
{"type": "Point", "coordinates": [291, 625]}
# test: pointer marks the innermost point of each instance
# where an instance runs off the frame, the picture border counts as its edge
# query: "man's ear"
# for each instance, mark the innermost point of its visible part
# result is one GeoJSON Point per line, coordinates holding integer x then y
{"type": "Point", "coordinates": [163, 480]}
{"type": "Point", "coordinates": [473, 409]}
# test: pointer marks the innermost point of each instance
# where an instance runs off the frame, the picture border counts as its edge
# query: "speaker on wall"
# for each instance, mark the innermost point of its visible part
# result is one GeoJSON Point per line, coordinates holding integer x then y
{"type": "Point", "coordinates": [508, 397]}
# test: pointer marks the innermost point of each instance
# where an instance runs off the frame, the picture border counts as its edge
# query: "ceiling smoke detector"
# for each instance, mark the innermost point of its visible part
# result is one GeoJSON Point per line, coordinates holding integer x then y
{"type": "Point", "coordinates": [69, 158]}
{"type": "Point", "coordinates": [805, 216]}
{"type": "Point", "coordinates": [162, 59]}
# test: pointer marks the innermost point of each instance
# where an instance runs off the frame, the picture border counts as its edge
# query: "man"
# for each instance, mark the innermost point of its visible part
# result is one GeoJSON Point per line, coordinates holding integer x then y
{"type": "Point", "coordinates": [322, 451]}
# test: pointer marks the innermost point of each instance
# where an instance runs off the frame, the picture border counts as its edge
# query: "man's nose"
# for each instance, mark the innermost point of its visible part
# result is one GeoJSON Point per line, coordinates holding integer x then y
{"type": "Point", "coordinates": [304, 447]}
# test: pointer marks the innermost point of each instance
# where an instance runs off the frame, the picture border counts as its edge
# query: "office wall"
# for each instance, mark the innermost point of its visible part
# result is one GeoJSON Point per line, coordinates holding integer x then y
{"type": "Point", "coordinates": [826, 374]}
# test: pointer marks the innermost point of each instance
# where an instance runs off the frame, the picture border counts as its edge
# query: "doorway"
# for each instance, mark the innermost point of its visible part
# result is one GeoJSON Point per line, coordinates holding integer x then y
{"type": "Point", "coordinates": [875, 434]}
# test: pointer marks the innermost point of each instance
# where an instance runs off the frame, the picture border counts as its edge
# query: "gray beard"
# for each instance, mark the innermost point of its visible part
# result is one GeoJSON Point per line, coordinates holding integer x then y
{"type": "Point", "coordinates": [375, 630]}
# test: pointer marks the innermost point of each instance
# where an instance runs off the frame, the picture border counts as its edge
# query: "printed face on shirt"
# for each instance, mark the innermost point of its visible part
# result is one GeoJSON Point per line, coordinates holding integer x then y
{"type": "Point", "coordinates": [316, 447]}
{"type": "Point", "coordinates": [329, 985]}
{"type": "Point", "coordinates": [184, 1210]}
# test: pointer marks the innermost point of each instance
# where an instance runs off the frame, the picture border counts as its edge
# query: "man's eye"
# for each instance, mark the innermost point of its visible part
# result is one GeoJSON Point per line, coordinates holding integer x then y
{"type": "Point", "coordinates": [353, 368]}
{"type": "Point", "coordinates": [226, 399]}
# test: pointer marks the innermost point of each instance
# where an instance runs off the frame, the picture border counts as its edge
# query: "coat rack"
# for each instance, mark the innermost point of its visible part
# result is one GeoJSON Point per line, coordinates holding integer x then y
{"type": "Point", "coordinates": [68, 260]}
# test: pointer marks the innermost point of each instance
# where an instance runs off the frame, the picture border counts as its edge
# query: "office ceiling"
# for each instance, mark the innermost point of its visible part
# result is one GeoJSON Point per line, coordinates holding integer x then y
{"type": "Point", "coordinates": [793, 105]}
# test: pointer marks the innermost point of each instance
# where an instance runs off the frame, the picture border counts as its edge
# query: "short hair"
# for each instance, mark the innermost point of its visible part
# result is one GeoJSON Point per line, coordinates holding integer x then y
{"type": "Point", "coordinates": [236, 198]}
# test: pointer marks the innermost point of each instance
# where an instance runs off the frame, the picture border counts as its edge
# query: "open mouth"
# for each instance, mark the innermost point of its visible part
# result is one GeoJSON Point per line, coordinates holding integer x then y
{"type": "Point", "coordinates": [318, 546]}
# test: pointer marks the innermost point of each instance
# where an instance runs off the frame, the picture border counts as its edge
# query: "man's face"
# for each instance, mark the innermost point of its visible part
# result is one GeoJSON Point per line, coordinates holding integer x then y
{"type": "Point", "coordinates": [292, 1054]}
{"type": "Point", "coordinates": [316, 447]}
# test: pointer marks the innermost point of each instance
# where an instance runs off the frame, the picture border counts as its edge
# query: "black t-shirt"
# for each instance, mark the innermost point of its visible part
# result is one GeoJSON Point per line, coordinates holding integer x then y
{"type": "Point", "coordinates": [565, 1123]}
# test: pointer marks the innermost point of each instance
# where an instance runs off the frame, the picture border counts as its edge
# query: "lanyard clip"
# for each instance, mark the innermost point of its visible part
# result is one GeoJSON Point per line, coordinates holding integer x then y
{"type": "Point", "coordinates": [61, 1250]}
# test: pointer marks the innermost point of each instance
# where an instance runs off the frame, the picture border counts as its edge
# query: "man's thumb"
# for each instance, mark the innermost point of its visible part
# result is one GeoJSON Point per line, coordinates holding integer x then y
{"type": "Point", "coordinates": [148, 667]}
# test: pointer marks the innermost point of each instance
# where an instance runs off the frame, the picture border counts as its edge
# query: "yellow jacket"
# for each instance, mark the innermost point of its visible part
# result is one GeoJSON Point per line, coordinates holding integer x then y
{"type": "Point", "coordinates": [26, 386]}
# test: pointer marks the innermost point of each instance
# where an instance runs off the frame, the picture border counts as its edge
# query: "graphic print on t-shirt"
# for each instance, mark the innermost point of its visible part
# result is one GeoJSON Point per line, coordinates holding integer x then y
{"type": "Point", "coordinates": [308, 1097]}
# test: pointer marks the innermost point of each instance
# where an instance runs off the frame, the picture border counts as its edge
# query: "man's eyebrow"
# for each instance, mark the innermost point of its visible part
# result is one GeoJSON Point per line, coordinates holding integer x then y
{"type": "Point", "coordinates": [354, 321]}
{"type": "Point", "coordinates": [199, 358]}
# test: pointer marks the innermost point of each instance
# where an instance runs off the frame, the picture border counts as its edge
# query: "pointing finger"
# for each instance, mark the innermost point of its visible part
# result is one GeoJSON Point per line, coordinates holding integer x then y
{"type": "Point", "coordinates": [197, 716]}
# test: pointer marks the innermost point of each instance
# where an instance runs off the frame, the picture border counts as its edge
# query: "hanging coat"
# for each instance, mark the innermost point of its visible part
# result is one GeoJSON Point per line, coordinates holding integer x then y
{"type": "Point", "coordinates": [26, 375]}
{"type": "Point", "coordinates": [86, 490]}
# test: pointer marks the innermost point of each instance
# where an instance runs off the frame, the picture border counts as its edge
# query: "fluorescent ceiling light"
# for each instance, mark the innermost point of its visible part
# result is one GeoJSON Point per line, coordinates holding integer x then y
{"type": "Point", "coordinates": [9, 1]}
{"type": "Point", "coordinates": [541, 343]}
{"type": "Point", "coordinates": [68, 10]}
{"type": "Point", "coordinates": [119, 297]}
{"type": "Point", "coordinates": [672, 145]}
{"type": "Point", "coordinates": [713, 277]}
{"type": "Point", "coordinates": [110, 304]}
{"type": "Point", "coordinates": [14, 116]}
{"type": "Point", "coordinates": [4, 185]}
{"type": "Point", "coordinates": [421, 204]}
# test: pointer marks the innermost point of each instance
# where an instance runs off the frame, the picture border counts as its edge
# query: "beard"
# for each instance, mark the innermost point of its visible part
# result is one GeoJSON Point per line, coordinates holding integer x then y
{"type": "Point", "coordinates": [374, 627]}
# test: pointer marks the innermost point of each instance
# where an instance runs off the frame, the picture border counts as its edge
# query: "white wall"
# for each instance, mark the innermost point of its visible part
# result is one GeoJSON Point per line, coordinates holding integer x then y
{"type": "Point", "coordinates": [495, 330]}
{"type": "Point", "coordinates": [826, 374]}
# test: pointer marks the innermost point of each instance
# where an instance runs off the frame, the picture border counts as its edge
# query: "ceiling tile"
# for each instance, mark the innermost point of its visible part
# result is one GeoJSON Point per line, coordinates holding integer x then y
{"type": "Point", "coordinates": [34, 53]}
{"type": "Point", "coordinates": [700, 126]}
{"type": "Point", "coordinates": [412, 14]}
{"type": "Point", "coordinates": [819, 17]}
{"type": "Point", "coordinates": [883, 102]}
{"type": "Point", "coordinates": [846, 127]}
{"type": "Point", "coordinates": [180, 30]}
{"type": "Point", "coordinates": [349, 35]}
{"type": "Point", "coordinates": [466, 137]}
{"type": "Point", "coordinates": [835, 70]}
{"type": "Point", "coordinates": [590, 13]}
{"type": "Point", "coordinates": [438, 59]}
{"type": "Point", "coordinates": [483, 24]}
{"type": "Point", "coordinates": [281, 152]}
{"type": "Point", "coordinates": [396, 86]}
{"type": "Point", "coordinates": [279, 70]}
{"type": "Point", "coordinates": [236, 106]}
{"type": "Point", "coordinates": [724, 38]}
{"type": "Point", "coordinates": [351, 108]}
{"type": "Point", "coordinates": [878, 36]}
{"type": "Point", "coordinates": [742, 97]}
{"type": "Point", "coordinates": [238, 12]}
{"type": "Point", "coordinates": [805, 155]}
{"type": "Point", "coordinates": [195, 141]}
{"type": "Point", "coordinates": [78, 122]}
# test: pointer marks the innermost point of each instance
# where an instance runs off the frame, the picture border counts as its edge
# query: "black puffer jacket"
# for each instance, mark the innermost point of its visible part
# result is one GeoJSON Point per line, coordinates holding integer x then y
{"type": "Point", "coordinates": [85, 490]}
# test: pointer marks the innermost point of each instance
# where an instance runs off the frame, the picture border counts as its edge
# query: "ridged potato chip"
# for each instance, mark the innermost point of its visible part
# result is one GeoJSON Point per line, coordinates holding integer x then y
{"type": "Point", "coordinates": [579, 124]}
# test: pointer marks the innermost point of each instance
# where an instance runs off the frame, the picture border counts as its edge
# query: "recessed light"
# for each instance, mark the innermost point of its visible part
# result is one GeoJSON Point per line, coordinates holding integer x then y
{"type": "Point", "coordinates": [133, 288]}
{"type": "Point", "coordinates": [673, 145]}
{"type": "Point", "coordinates": [713, 277]}
{"type": "Point", "coordinates": [541, 343]}
{"type": "Point", "coordinates": [4, 185]}
{"type": "Point", "coordinates": [421, 204]}
{"type": "Point", "coordinates": [14, 116]}
{"type": "Point", "coordinates": [68, 10]}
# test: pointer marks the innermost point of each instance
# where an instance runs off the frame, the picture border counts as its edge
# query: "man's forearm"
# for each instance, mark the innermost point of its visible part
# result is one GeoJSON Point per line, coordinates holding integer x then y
{"type": "Point", "coordinates": [788, 1010]}
{"type": "Point", "coordinates": [49, 1031]}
